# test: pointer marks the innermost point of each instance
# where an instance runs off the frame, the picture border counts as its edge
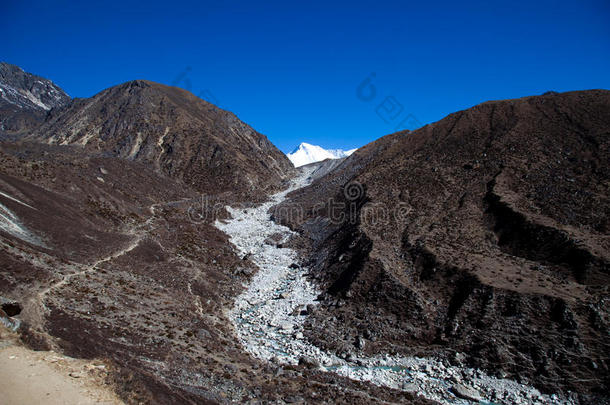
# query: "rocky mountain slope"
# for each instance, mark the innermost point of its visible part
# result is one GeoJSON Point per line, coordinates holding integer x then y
{"type": "Point", "coordinates": [480, 241]}
{"type": "Point", "coordinates": [485, 233]}
{"type": "Point", "coordinates": [25, 100]}
{"type": "Point", "coordinates": [112, 256]}
{"type": "Point", "coordinates": [105, 258]}
{"type": "Point", "coordinates": [174, 132]}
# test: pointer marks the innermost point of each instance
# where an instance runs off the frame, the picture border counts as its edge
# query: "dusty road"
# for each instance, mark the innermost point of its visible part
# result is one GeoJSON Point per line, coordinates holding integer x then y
{"type": "Point", "coordinates": [30, 377]}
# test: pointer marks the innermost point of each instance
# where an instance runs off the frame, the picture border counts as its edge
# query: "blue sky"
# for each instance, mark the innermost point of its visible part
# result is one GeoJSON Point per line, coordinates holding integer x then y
{"type": "Point", "coordinates": [296, 71]}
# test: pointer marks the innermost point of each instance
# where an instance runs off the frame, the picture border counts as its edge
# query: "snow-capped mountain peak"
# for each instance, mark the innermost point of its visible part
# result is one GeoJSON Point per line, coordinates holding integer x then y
{"type": "Point", "coordinates": [306, 153]}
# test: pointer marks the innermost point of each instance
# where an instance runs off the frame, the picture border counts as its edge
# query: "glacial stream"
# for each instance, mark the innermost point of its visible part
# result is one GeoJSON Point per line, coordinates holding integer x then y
{"type": "Point", "coordinates": [268, 319]}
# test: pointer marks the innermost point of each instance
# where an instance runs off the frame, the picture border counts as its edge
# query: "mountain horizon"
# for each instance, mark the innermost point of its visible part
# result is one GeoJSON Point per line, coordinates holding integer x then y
{"type": "Point", "coordinates": [161, 250]}
{"type": "Point", "coordinates": [352, 203]}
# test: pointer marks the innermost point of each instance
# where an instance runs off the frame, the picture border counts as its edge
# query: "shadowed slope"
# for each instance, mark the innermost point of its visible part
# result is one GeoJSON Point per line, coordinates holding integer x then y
{"type": "Point", "coordinates": [486, 232]}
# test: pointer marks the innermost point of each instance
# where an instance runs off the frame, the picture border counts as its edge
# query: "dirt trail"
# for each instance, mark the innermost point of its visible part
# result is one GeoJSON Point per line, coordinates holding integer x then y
{"type": "Point", "coordinates": [140, 232]}
{"type": "Point", "coordinates": [30, 377]}
{"type": "Point", "coordinates": [93, 267]}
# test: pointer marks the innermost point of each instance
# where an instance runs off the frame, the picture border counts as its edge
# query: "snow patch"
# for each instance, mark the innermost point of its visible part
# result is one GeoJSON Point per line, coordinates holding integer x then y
{"type": "Point", "coordinates": [306, 153]}
{"type": "Point", "coordinates": [35, 100]}
{"type": "Point", "coordinates": [10, 223]}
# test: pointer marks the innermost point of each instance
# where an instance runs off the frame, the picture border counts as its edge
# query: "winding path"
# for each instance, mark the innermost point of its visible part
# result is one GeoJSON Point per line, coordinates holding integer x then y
{"type": "Point", "coordinates": [139, 233]}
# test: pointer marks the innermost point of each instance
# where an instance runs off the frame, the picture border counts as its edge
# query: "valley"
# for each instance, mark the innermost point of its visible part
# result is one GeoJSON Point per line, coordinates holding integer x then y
{"type": "Point", "coordinates": [464, 262]}
{"type": "Point", "coordinates": [269, 321]}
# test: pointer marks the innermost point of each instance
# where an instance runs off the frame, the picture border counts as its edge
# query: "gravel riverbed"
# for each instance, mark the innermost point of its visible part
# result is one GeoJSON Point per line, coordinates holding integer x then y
{"type": "Point", "coordinates": [268, 319]}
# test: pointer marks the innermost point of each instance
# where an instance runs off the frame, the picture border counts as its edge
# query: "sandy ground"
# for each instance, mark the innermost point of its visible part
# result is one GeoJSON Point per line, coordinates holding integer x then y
{"type": "Point", "coordinates": [30, 377]}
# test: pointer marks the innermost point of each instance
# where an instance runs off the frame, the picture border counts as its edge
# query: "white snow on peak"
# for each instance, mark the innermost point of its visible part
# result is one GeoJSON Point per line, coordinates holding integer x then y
{"type": "Point", "coordinates": [306, 153]}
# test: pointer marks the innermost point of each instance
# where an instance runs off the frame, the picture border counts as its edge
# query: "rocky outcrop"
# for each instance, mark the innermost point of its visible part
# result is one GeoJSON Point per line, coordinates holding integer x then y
{"type": "Point", "coordinates": [25, 100]}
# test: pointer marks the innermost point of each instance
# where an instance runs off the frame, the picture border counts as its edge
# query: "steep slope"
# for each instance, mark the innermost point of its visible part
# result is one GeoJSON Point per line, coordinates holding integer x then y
{"type": "Point", "coordinates": [25, 99]}
{"type": "Point", "coordinates": [306, 154]}
{"type": "Point", "coordinates": [176, 133]}
{"type": "Point", "coordinates": [485, 233]}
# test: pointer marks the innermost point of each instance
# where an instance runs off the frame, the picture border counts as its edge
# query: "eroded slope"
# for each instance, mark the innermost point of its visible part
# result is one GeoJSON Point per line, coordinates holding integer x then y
{"type": "Point", "coordinates": [484, 233]}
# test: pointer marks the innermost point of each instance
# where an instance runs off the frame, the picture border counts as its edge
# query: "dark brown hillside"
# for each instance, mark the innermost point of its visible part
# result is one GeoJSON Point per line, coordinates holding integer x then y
{"type": "Point", "coordinates": [124, 272]}
{"type": "Point", "coordinates": [176, 133]}
{"type": "Point", "coordinates": [484, 233]}
{"type": "Point", "coordinates": [108, 251]}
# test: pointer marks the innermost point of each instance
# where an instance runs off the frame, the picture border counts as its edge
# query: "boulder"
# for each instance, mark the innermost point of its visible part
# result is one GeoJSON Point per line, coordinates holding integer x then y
{"type": "Point", "coordinates": [465, 392]}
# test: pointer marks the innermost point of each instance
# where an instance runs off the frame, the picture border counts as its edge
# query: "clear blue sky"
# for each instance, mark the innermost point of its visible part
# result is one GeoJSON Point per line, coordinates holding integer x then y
{"type": "Point", "coordinates": [292, 70]}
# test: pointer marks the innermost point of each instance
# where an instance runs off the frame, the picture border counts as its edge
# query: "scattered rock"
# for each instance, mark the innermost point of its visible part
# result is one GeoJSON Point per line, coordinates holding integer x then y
{"type": "Point", "coordinates": [286, 327]}
{"type": "Point", "coordinates": [246, 271]}
{"type": "Point", "coordinates": [203, 334]}
{"type": "Point", "coordinates": [459, 358]}
{"type": "Point", "coordinates": [294, 399]}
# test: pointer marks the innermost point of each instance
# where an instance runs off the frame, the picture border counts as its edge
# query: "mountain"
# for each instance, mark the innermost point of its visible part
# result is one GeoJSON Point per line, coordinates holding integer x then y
{"type": "Point", "coordinates": [480, 241]}
{"type": "Point", "coordinates": [174, 132]}
{"type": "Point", "coordinates": [485, 233]}
{"type": "Point", "coordinates": [108, 250]}
{"type": "Point", "coordinates": [306, 153]}
{"type": "Point", "coordinates": [25, 99]}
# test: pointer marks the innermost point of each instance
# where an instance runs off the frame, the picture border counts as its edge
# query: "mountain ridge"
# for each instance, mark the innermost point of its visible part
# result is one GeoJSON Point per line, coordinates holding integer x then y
{"type": "Point", "coordinates": [130, 268]}
{"type": "Point", "coordinates": [175, 132]}
{"type": "Point", "coordinates": [492, 254]}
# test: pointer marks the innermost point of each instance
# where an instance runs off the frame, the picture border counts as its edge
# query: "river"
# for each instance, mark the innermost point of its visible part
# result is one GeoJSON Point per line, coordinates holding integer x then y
{"type": "Point", "coordinates": [268, 318]}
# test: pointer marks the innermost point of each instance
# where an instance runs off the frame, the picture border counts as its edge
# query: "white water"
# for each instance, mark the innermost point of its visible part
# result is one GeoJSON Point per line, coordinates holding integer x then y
{"type": "Point", "coordinates": [269, 329]}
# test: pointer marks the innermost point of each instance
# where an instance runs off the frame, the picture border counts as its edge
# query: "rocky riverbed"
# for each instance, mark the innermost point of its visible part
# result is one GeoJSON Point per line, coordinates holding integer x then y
{"type": "Point", "coordinates": [269, 315]}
